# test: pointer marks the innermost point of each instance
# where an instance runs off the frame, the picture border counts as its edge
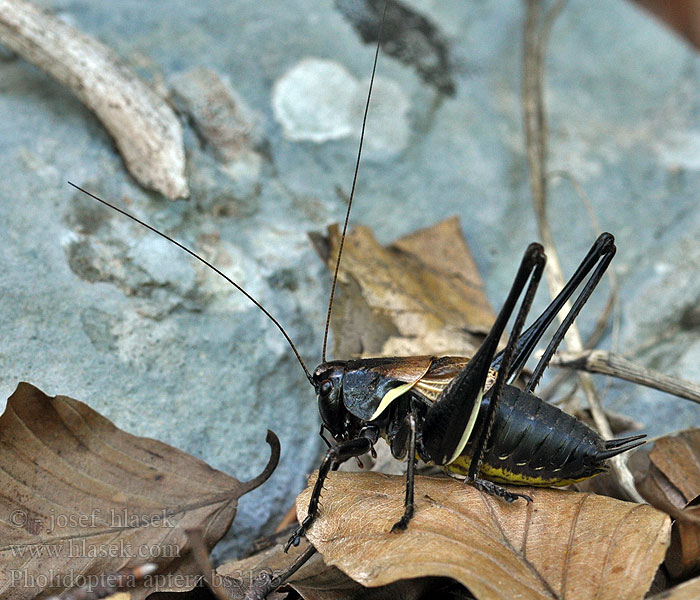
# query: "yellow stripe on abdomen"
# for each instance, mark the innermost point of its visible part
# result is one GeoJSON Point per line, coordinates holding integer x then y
{"type": "Point", "coordinates": [460, 466]}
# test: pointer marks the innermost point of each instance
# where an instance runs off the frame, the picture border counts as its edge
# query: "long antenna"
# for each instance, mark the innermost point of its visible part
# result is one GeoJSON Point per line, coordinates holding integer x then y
{"type": "Point", "coordinates": [352, 190]}
{"type": "Point", "coordinates": [208, 264]}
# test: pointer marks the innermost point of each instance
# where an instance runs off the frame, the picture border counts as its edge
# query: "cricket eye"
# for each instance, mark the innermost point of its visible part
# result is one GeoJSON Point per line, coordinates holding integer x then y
{"type": "Point", "coordinates": [326, 387]}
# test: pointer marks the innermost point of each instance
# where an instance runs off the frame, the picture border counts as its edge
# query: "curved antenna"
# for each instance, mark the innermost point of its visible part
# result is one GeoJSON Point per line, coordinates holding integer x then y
{"type": "Point", "coordinates": [352, 190]}
{"type": "Point", "coordinates": [208, 264]}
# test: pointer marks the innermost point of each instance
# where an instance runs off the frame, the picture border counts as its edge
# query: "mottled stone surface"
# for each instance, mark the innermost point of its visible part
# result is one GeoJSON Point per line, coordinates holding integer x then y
{"type": "Point", "coordinates": [95, 307]}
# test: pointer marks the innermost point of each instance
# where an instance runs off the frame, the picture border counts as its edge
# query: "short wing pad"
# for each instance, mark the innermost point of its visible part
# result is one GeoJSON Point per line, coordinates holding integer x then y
{"type": "Point", "coordinates": [371, 385]}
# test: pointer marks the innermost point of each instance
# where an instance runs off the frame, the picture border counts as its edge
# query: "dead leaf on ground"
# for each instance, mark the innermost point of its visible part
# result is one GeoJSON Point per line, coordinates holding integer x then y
{"type": "Point", "coordinates": [672, 484]}
{"type": "Point", "coordinates": [314, 581]}
{"type": "Point", "coordinates": [420, 295]}
{"type": "Point", "coordinates": [82, 498]}
{"type": "Point", "coordinates": [689, 590]}
{"type": "Point", "coordinates": [563, 544]}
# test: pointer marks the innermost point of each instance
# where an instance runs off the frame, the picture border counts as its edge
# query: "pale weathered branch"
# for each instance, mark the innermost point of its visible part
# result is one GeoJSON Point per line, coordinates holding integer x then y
{"type": "Point", "coordinates": [536, 31]}
{"type": "Point", "coordinates": [144, 127]}
{"type": "Point", "coordinates": [609, 363]}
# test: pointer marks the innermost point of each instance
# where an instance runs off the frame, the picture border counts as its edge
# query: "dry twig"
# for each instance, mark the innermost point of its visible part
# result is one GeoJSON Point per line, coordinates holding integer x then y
{"type": "Point", "coordinates": [609, 363]}
{"type": "Point", "coordinates": [611, 306]}
{"type": "Point", "coordinates": [536, 135]}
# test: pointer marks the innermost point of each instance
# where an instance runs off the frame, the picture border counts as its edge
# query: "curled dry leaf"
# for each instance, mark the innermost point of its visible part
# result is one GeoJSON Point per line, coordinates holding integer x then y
{"type": "Point", "coordinates": [672, 484]}
{"type": "Point", "coordinates": [81, 498]}
{"type": "Point", "coordinates": [144, 127]}
{"type": "Point", "coordinates": [420, 295]}
{"type": "Point", "coordinates": [563, 544]}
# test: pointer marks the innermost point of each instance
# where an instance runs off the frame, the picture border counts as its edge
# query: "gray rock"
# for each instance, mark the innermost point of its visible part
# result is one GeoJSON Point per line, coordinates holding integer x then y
{"type": "Point", "coordinates": [95, 307]}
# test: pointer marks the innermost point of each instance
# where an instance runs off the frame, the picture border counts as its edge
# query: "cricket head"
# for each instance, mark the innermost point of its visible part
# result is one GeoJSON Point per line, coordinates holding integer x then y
{"type": "Point", "coordinates": [327, 379]}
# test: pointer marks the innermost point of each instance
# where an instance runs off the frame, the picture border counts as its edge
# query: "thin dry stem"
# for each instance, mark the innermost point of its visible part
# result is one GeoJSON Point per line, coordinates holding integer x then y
{"type": "Point", "coordinates": [604, 318]}
{"type": "Point", "coordinates": [609, 363]}
{"type": "Point", "coordinates": [611, 306]}
{"type": "Point", "coordinates": [536, 135]}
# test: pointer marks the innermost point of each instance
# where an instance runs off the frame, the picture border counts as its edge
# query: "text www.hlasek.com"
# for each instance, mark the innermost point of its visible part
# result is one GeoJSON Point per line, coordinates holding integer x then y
{"type": "Point", "coordinates": [81, 548]}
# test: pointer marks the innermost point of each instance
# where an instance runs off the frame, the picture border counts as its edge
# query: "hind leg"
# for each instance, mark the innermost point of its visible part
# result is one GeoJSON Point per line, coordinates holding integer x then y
{"type": "Point", "coordinates": [451, 420]}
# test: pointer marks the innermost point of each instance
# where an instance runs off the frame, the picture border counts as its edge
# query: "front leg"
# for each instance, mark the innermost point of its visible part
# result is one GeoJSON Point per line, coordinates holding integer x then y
{"type": "Point", "coordinates": [334, 456]}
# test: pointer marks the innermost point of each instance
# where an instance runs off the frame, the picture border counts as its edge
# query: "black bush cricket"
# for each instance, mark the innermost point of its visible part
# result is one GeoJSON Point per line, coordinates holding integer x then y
{"type": "Point", "coordinates": [461, 414]}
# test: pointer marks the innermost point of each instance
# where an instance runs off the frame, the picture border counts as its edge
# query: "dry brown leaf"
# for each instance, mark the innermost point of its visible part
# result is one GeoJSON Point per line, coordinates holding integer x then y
{"type": "Point", "coordinates": [332, 584]}
{"type": "Point", "coordinates": [677, 457]}
{"type": "Point", "coordinates": [314, 581]}
{"type": "Point", "coordinates": [563, 544]}
{"type": "Point", "coordinates": [690, 590]}
{"type": "Point", "coordinates": [420, 295]}
{"type": "Point", "coordinates": [82, 498]}
{"type": "Point", "coordinates": [672, 484]}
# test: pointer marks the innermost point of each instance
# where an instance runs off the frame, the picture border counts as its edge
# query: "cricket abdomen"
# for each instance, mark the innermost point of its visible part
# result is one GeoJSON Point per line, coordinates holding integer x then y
{"type": "Point", "coordinates": [535, 443]}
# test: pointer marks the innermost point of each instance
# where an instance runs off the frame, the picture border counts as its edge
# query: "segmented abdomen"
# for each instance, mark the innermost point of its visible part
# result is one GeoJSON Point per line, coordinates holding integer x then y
{"type": "Point", "coordinates": [535, 443]}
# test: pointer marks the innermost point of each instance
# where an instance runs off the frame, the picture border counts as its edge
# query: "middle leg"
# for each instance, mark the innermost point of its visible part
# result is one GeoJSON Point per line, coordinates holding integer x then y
{"type": "Point", "coordinates": [409, 504]}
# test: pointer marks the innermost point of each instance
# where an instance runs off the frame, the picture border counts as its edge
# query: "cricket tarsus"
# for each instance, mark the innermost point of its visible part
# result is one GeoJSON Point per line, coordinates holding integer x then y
{"type": "Point", "coordinates": [208, 264]}
{"type": "Point", "coordinates": [493, 489]}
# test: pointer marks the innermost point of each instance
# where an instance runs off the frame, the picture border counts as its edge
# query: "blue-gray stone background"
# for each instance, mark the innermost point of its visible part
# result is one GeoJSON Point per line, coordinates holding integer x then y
{"type": "Point", "coordinates": [96, 308]}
